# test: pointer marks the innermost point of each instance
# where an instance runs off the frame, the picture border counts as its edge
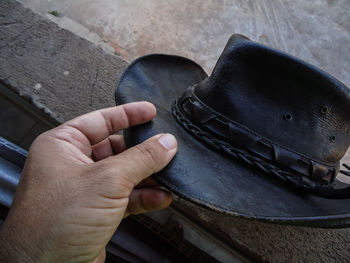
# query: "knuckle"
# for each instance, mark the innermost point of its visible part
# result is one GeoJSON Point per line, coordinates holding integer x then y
{"type": "Point", "coordinates": [148, 156]}
{"type": "Point", "coordinates": [41, 138]}
{"type": "Point", "coordinates": [39, 142]}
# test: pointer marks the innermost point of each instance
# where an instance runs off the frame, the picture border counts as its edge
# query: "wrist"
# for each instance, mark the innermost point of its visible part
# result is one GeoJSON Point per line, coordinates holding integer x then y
{"type": "Point", "coordinates": [11, 249]}
{"type": "Point", "coordinates": [11, 253]}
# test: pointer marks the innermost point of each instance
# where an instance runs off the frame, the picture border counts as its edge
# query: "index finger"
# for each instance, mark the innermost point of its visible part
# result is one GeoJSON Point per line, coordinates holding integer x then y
{"type": "Point", "coordinates": [98, 125]}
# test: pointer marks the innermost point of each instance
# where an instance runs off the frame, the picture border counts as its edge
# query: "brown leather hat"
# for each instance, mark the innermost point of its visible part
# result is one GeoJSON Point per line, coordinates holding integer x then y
{"type": "Point", "coordinates": [260, 138]}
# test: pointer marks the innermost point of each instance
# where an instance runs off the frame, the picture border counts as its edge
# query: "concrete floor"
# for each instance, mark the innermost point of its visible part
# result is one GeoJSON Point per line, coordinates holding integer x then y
{"type": "Point", "coordinates": [317, 31]}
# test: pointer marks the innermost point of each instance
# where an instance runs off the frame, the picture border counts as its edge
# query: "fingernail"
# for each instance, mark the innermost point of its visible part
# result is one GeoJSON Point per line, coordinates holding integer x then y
{"type": "Point", "coordinates": [168, 141]}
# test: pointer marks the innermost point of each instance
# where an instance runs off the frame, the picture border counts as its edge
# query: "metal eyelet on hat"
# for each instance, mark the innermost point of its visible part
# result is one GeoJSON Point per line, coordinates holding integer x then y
{"type": "Point", "coordinates": [332, 138]}
{"type": "Point", "coordinates": [324, 109]}
{"type": "Point", "coordinates": [287, 116]}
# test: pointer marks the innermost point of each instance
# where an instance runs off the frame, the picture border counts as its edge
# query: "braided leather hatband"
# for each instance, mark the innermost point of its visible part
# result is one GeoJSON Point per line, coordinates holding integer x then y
{"type": "Point", "coordinates": [240, 142]}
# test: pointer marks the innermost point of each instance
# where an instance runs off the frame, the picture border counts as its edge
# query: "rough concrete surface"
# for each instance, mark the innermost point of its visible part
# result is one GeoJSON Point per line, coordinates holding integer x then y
{"type": "Point", "coordinates": [57, 69]}
{"type": "Point", "coordinates": [317, 31]}
{"type": "Point", "coordinates": [71, 76]}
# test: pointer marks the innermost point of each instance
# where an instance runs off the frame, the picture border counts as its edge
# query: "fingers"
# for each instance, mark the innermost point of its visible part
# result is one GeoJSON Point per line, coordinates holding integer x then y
{"type": "Point", "coordinates": [98, 125]}
{"type": "Point", "coordinates": [110, 146]}
{"type": "Point", "coordinates": [139, 162]}
{"type": "Point", "coordinates": [147, 199]}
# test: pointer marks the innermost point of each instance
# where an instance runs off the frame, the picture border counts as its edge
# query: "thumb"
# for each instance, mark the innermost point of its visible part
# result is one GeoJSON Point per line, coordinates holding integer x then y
{"type": "Point", "coordinates": [145, 159]}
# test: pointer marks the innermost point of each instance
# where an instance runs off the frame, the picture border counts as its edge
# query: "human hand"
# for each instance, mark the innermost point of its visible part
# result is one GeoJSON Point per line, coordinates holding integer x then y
{"type": "Point", "coordinates": [79, 182]}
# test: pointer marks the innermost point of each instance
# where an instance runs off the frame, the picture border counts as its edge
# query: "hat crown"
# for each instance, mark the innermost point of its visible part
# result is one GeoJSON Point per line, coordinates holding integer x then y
{"type": "Point", "coordinates": [281, 98]}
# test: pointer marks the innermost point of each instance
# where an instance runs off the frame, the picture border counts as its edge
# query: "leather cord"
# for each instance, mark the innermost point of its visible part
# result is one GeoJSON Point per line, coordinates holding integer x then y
{"type": "Point", "coordinates": [346, 172]}
{"type": "Point", "coordinates": [219, 133]}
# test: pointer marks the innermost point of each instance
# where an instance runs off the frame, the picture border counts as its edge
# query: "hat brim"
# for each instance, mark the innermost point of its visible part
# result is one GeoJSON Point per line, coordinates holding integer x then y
{"type": "Point", "coordinates": [205, 176]}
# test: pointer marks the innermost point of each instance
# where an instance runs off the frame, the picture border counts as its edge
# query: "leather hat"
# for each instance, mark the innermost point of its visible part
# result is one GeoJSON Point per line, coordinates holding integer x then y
{"type": "Point", "coordinates": [260, 138]}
